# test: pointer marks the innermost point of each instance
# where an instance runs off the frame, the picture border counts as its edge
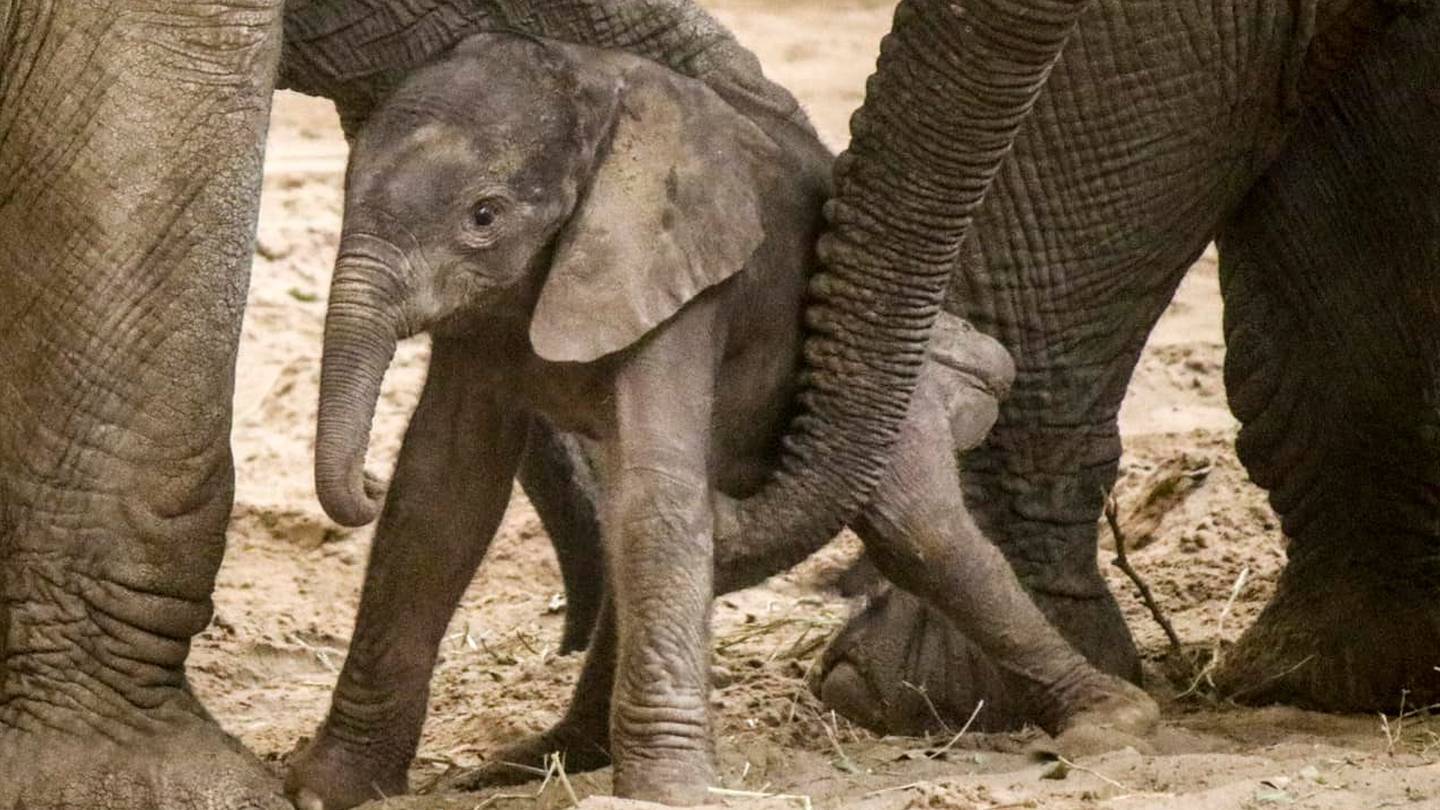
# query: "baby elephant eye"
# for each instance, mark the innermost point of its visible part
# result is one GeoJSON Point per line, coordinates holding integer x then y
{"type": "Point", "coordinates": [484, 214]}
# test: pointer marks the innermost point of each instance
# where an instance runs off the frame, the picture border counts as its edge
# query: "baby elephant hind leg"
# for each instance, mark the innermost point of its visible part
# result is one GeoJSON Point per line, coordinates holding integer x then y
{"type": "Point", "coordinates": [559, 482]}
{"type": "Point", "coordinates": [919, 533]}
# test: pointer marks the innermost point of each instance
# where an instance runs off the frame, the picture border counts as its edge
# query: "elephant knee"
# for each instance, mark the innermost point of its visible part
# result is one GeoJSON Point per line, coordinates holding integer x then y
{"type": "Point", "coordinates": [911, 543]}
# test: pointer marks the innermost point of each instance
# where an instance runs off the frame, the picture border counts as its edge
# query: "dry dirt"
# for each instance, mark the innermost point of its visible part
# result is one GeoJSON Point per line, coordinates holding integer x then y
{"type": "Point", "coordinates": [1201, 534]}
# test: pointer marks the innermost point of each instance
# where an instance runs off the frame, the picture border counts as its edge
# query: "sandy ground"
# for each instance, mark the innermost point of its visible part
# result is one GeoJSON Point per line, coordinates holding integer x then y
{"type": "Point", "coordinates": [1197, 527]}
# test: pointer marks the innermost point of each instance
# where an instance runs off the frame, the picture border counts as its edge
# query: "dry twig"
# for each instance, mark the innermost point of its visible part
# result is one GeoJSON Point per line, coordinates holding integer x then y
{"type": "Point", "coordinates": [803, 801]}
{"type": "Point", "coordinates": [1102, 777]}
{"type": "Point", "coordinates": [929, 704]}
{"type": "Point", "coordinates": [1121, 561]}
{"type": "Point", "coordinates": [1204, 675]}
{"type": "Point", "coordinates": [557, 766]}
{"type": "Point", "coordinates": [944, 750]}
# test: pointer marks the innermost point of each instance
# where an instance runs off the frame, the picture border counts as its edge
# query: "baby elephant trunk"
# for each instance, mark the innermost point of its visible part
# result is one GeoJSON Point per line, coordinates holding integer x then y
{"type": "Point", "coordinates": [362, 326]}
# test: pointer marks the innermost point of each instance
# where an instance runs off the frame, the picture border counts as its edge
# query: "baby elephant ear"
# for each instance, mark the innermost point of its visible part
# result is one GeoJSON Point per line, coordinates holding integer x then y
{"type": "Point", "coordinates": [672, 208]}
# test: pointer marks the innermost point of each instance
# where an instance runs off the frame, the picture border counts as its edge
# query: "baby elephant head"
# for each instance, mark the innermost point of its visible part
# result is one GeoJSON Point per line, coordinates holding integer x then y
{"type": "Point", "coordinates": [592, 192]}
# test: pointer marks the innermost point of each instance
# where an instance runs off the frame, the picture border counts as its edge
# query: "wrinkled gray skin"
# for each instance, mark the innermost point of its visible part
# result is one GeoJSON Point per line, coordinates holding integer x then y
{"type": "Point", "coordinates": [1312, 156]}
{"type": "Point", "coordinates": [130, 144]}
{"type": "Point", "coordinates": [126, 216]}
{"type": "Point", "coordinates": [598, 242]}
{"type": "Point", "coordinates": [1330, 283]}
{"type": "Point", "coordinates": [1165, 128]}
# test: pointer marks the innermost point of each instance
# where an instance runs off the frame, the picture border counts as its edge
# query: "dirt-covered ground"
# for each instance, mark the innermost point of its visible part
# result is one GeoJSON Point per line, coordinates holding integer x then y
{"type": "Point", "coordinates": [1198, 530]}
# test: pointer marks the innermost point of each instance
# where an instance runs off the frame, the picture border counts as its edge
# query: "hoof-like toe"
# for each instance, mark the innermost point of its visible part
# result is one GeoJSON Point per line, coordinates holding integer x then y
{"type": "Point", "coordinates": [1124, 716]}
{"type": "Point", "coordinates": [306, 799]}
{"type": "Point", "coordinates": [325, 776]}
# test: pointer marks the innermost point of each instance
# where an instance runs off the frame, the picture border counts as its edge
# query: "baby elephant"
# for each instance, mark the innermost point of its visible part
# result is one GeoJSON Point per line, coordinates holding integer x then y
{"type": "Point", "coordinates": [595, 240]}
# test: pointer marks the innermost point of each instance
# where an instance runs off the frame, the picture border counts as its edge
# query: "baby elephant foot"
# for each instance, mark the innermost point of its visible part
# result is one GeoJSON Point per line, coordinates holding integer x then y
{"type": "Point", "coordinates": [329, 775]}
{"type": "Point", "coordinates": [1114, 714]}
{"type": "Point", "coordinates": [581, 749]}
{"type": "Point", "coordinates": [679, 779]}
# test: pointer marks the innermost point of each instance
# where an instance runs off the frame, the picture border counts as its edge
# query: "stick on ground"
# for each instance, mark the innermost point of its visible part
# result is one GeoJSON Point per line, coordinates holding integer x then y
{"type": "Point", "coordinates": [1121, 561]}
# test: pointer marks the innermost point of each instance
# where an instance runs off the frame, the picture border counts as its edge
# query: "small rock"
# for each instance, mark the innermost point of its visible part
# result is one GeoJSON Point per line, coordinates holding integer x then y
{"type": "Point", "coordinates": [721, 677]}
{"type": "Point", "coordinates": [1058, 770]}
{"type": "Point", "coordinates": [272, 250]}
{"type": "Point", "coordinates": [556, 604]}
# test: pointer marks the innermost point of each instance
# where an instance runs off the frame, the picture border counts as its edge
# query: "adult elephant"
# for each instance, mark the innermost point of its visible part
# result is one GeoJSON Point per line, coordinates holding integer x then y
{"type": "Point", "coordinates": [1305, 138]}
{"type": "Point", "coordinates": [131, 137]}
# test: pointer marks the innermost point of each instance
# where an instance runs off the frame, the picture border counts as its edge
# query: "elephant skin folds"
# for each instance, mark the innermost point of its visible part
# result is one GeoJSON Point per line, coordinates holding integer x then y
{"type": "Point", "coordinates": [1195, 523]}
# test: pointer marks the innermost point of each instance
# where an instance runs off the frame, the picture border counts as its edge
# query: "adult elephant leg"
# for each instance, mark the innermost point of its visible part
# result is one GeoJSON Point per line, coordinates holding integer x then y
{"type": "Point", "coordinates": [558, 480]}
{"type": "Point", "coordinates": [450, 489]}
{"type": "Point", "coordinates": [1110, 194]}
{"type": "Point", "coordinates": [130, 156]}
{"type": "Point", "coordinates": [1331, 277]}
{"type": "Point", "coordinates": [1036, 488]}
{"type": "Point", "coordinates": [919, 533]}
{"type": "Point", "coordinates": [908, 657]}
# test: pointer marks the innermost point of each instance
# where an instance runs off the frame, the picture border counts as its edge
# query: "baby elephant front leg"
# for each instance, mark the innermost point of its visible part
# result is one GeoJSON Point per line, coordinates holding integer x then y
{"type": "Point", "coordinates": [659, 543]}
{"type": "Point", "coordinates": [660, 558]}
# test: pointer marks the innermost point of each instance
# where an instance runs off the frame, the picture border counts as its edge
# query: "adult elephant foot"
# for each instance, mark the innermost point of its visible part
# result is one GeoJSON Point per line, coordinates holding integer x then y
{"type": "Point", "coordinates": [180, 763]}
{"type": "Point", "coordinates": [1332, 327]}
{"type": "Point", "coordinates": [900, 667]}
{"type": "Point", "coordinates": [1340, 635]}
{"type": "Point", "coordinates": [581, 746]}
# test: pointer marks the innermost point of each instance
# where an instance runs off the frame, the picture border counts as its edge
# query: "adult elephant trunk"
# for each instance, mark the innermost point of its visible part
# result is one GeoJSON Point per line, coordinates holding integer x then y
{"type": "Point", "coordinates": [361, 330]}
{"type": "Point", "coordinates": [954, 82]}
